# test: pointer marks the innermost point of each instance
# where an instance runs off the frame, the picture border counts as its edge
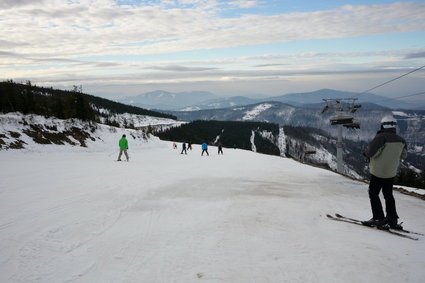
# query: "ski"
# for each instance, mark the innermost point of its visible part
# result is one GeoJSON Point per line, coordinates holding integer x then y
{"type": "Point", "coordinates": [403, 230]}
{"type": "Point", "coordinates": [358, 223]}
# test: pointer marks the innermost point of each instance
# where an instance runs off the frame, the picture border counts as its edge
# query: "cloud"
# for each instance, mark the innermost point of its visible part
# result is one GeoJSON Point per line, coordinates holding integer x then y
{"type": "Point", "coordinates": [7, 44]}
{"type": "Point", "coordinates": [97, 41]}
{"type": "Point", "coordinates": [8, 4]}
{"type": "Point", "coordinates": [8, 53]}
{"type": "Point", "coordinates": [245, 4]}
{"type": "Point", "coordinates": [415, 55]}
{"type": "Point", "coordinates": [268, 65]}
{"type": "Point", "coordinates": [236, 82]}
{"type": "Point", "coordinates": [79, 29]}
{"type": "Point", "coordinates": [176, 68]}
{"type": "Point", "coordinates": [267, 68]}
{"type": "Point", "coordinates": [174, 74]}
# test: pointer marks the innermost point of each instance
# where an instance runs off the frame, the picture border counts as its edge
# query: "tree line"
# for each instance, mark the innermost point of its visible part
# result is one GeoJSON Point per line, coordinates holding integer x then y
{"type": "Point", "coordinates": [231, 134]}
{"type": "Point", "coordinates": [30, 99]}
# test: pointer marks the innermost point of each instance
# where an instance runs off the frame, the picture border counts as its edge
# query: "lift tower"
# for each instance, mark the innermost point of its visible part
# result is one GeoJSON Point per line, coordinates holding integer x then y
{"type": "Point", "coordinates": [344, 108]}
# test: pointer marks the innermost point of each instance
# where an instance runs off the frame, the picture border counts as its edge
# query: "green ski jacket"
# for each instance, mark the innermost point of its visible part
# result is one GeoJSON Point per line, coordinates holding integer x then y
{"type": "Point", "coordinates": [123, 143]}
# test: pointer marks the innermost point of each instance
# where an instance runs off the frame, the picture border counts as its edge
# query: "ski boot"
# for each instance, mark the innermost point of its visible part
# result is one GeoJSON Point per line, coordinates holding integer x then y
{"type": "Point", "coordinates": [379, 223]}
{"type": "Point", "coordinates": [392, 223]}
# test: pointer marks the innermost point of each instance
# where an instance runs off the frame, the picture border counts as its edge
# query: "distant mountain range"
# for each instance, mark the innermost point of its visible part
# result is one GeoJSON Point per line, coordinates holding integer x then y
{"type": "Point", "coordinates": [201, 100]}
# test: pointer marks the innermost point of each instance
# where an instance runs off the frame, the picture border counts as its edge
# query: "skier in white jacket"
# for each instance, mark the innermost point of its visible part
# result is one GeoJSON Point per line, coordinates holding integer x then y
{"type": "Point", "coordinates": [384, 153]}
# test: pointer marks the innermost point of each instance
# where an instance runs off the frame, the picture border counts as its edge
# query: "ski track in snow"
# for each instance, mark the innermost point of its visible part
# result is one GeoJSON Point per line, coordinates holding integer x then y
{"type": "Point", "coordinates": [165, 217]}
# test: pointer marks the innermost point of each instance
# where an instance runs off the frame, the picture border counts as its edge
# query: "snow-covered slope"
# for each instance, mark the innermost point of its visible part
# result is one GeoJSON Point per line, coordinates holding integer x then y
{"type": "Point", "coordinates": [250, 115]}
{"type": "Point", "coordinates": [79, 216]}
{"type": "Point", "coordinates": [29, 131]}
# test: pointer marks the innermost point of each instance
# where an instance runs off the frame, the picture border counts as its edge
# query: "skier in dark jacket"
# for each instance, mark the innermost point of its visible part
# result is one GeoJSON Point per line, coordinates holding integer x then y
{"type": "Point", "coordinates": [220, 148]}
{"type": "Point", "coordinates": [384, 153]}
{"type": "Point", "coordinates": [184, 148]}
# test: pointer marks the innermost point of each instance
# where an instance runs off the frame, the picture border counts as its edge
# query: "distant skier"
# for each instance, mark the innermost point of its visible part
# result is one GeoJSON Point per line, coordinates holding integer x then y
{"type": "Point", "coordinates": [184, 148]}
{"type": "Point", "coordinates": [204, 149]}
{"type": "Point", "coordinates": [220, 148]}
{"type": "Point", "coordinates": [174, 145]}
{"type": "Point", "coordinates": [384, 152]}
{"type": "Point", "coordinates": [123, 144]}
{"type": "Point", "coordinates": [189, 146]}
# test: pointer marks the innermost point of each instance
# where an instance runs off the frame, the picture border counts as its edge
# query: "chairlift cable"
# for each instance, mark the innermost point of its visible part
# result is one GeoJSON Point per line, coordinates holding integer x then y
{"type": "Point", "coordinates": [409, 95]}
{"type": "Point", "coordinates": [404, 96]}
{"type": "Point", "coordinates": [408, 73]}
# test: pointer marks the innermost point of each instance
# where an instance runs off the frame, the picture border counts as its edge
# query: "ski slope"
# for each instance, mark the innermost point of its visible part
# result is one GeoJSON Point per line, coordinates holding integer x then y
{"type": "Point", "coordinates": [76, 215]}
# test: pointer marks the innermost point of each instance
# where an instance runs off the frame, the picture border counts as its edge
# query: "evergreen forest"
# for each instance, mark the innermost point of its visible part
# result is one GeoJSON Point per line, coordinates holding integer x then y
{"type": "Point", "coordinates": [230, 134]}
{"type": "Point", "coordinates": [30, 99]}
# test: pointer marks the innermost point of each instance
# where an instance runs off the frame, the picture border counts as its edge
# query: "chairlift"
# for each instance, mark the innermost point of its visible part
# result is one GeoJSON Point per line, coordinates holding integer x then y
{"type": "Point", "coordinates": [341, 120]}
{"type": "Point", "coordinates": [354, 125]}
{"type": "Point", "coordinates": [355, 107]}
{"type": "Point", "coordinates": [326, 109]}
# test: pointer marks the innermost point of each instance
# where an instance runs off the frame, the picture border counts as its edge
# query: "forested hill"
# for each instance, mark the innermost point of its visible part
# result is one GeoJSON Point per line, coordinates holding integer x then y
{"type": "Point", "coordinates": [256, 136]}
{"type": "Point", "coordinates": [49, 102]}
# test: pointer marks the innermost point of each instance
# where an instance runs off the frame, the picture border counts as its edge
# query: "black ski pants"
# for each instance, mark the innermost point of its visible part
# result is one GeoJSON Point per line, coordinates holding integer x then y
{"type": "Point", "coordinates": [375, 187]}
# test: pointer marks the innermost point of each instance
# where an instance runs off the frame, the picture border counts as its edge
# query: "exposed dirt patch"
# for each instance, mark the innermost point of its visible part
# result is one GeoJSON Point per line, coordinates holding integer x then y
{"type": "Point", "coordinates": [403, 191]}
{"type": "Point", "coordinates": [80, 135]}
{"type": "Point", "coordinates": [15, 135]}
{"type": "Point", "coordinates": [18, 144]}
{"type": "Point", "coordinates": [42, 136]}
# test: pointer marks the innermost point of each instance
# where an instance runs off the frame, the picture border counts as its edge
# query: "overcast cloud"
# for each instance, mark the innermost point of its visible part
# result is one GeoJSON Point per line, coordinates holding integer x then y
{"type": "Point", "coordinates": [152, 42]}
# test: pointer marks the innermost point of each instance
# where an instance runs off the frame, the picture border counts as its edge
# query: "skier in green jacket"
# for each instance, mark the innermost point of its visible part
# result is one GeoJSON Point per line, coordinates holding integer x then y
{"type": "Point", "coordinates": [123, 143]}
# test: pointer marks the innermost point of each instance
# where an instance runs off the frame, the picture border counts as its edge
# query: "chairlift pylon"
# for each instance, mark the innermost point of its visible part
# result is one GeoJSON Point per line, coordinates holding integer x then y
{"type": "Point", "coordinates": [344, 117]}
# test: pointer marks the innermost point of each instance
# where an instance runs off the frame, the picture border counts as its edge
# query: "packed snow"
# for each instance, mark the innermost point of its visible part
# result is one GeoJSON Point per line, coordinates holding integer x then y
{"type": "Point", "coordinates": [72, 214]}
{"type": "Point", "coordinates": [140, 120]}
{"type": "Point", "coordinates": [400, 113]}
{"type": "Point", "coordinates": [191, 108]}
{"type": "Point", "coordinates": [412, 190]}
{"type": "Point", "coordinates": [250, 115]}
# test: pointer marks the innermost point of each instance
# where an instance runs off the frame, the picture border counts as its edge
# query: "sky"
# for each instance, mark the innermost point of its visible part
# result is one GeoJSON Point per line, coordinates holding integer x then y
{"type": "Point", "coordinates": [119, 48]}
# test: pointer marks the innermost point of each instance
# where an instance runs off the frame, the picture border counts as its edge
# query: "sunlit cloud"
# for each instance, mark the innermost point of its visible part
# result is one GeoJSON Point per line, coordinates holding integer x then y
{"type": "Point", "coordinates": [92, 41]}
{"type": "Point", "coordinates": [78, 29]}
{"type": "Point", "coordinates": [244, 3]}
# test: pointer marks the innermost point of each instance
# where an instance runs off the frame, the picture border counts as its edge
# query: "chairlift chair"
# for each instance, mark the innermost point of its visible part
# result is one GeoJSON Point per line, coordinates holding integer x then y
{"type": "Point", "coordinates": [354, 125]}
{"type": "Point", "coordinates": [355, 107]}
{"type": "Point", "coordinates": [341, 120]}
